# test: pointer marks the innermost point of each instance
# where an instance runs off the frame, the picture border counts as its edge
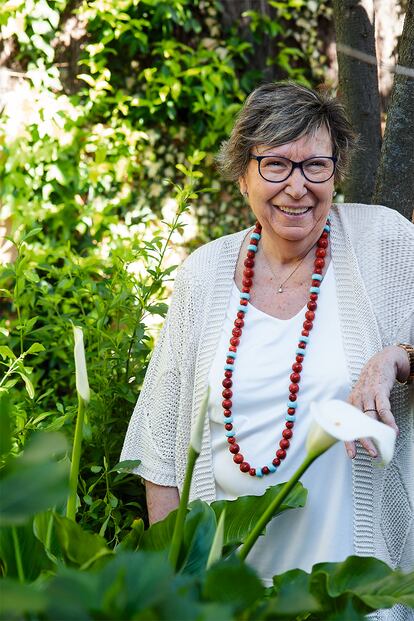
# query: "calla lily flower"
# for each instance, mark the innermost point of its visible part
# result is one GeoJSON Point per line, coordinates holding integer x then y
{"type": "Point", "coordinates": [335, 420]}
{"type": "Point", "coordinates": [82, 384]}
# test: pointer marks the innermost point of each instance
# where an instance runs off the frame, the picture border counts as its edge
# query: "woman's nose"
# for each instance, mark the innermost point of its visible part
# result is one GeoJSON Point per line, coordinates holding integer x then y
{"type": "Point", "coordinates": [296, 184]}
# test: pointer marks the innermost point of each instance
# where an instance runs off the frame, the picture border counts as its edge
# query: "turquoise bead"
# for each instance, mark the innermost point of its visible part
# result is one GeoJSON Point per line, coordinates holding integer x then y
{"type": "Point", "coordinates": [242, 308]}
{"type": "Point", "coordinates": [272, 468]}
{"type": "Point", "coordinates": [230, 434]}
{"type": "Point", "coordinates": [317, 277]}
{"type": "Point", "coordinates": [231, 354]}
{"type": "Point", "coordinates": [229, 367]}
{"type": "Point", "coordinates": [259, 472]}
{"type": "Point", "coordinates": [304, 339]}
{"type": "Point", "coordinates": [228, 419]}
{"type": "Point", "coordinates": [314, 290]}
{"type": "Point", "coordinates": [255, 236]}
{"type": "Point", "coordinates": [245, 296]}
{"type": "Point", "coordinates": [327, 228]}
{"type": "Point", "coordinates": [292, 404]}
{"type": "Point", "coordinates": [252, 247]}
{"type": "Point", "coordinates": [300, 352]}
{"type": "Point", "coordinates": [290, 417]}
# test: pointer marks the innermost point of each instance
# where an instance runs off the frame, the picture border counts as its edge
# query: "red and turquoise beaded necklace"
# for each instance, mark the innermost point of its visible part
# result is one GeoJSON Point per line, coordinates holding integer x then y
{"type": "Point", "coordinates": [292, 404]}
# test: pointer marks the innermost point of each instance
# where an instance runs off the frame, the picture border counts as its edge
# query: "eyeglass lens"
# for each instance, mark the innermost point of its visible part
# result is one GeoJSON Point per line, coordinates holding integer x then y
{"type": "Point", "coordinates": [279, 168]}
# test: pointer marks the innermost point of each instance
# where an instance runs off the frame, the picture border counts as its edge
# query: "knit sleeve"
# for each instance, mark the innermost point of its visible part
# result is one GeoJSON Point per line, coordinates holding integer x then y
{"type": "Point", "coordinates": [152, 429]}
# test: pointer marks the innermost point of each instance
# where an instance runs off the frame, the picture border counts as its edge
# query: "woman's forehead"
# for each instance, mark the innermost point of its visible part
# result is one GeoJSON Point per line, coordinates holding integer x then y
{"type": "Point", "coordinates": [317, 143]}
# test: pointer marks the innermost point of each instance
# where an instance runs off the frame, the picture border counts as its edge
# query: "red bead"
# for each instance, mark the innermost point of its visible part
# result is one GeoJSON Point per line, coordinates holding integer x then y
{"type": "Point", "coordinates": [291, 411]}
{"type": "Point", "coordinates": [227, 412]}
{"type": "Point", "coordinates": [236, 332]}
{"type": "Point", "coordinates": [240, 315]}
{"type": "Point", "coordinates": [231, 440]}
{"type": "Point", "coordinates": [305, 333]}
{"type": "Point", "coordinates": [287, 433]}
{"type": "Point", "coordinates": [292, 396]}
{"type": "Point", "coordinates": [239, 323]}
{"type": "Point", "coordinates": [319, 263]}
{"type": "Point", "coordinates": [322, 243]}
{"type": "Point", "coordinates": [234, 341]}
{"type": "Point", "coordinates": [265, 470]}
{"type": "Point", "coordinates": [299, 358]}
{"type": "Point", "coordinates": [276, 461]}
{"type": "Point", "coordinates": [245, 467]}
{"type": "Point", "coordinates": [316, 283]}
{"type": "Point", "coordinates": [228, 373]}
{"type": "Point", "coordinates": [296, 367]}
{"type": "Point", "coordinates": [246, 290]}
{"type": "Point", "coordinates": [234, 448]}
{"type": "Point", "coordinates": [227, 393]}
{"type": "Point", "coordinates": [254, 241]}
{"type": "Point", "coordinates": [289, 424]}
{"type": "Point", "coordinates": [238, 459]}
{"type": "Point", "coordinates": [307, 325]}
{"type": "Point", "coordinates": [252, 472]}
{"type": "Point", "coordinates": [227, 383]}
{"type": "Point", "coordinates": [320, 253]}
{"type": "Point", "coordinates": [318, 270]}
{"type": "Point", "coordinates": [294, 377]}
{"type": "Point", "coordinates": [301, 345]}
{"type": "Point", "coordinates": [312, 306]}
{"type": "Point", "coordinates": [243, 302]}
{"type": "Point", "coordinates": [310, 315]}
{"type": "Point", "coordinates": [281, 454]}
{"type": "Point", "coordinates": [247, 282]}
{"type": "Point", "coordinates": [248, 273]}
{"type": "Point", "coordinates": [229, 360]}
{"type": "Point", "coordinates": [284, 444]}
{"type": "Point", "coordinates": [232, 348]}
{"type": "Point", "coordinates": [324, 234]}
{"type": "Point", "coordinates": [226, 404]}
{"type": "Point", "coordinates": [294, 388]}
{"type": "Point", "coordinates": [228, 426]}
{"type": "Point", "coordinates": [313, 297]}
{"type": "Point", "coordinates": [251, 254]}
{"type": "Point", "coordinates": [249, 262]}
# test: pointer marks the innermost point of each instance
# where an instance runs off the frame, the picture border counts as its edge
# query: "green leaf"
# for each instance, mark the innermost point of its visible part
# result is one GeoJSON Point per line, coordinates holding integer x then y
{"type": "Point", "coordinates": [5, 425]}
{"type": "Point", "coordinates": [6, 352]}
{"type": "Point", "coordinates": [125, 466]}
{"type": "Point", "coordinates": [35, 348]}
{"type": "Point", "coordinates": [234, 581]}
{"type": "Point", "coordinates": [18, 599]}
{"type": "Point", "coordinates": [242, 513]}
{"type": "Point", "coordinates": [28, 383]}
{"type": "Point", "coordinates": [199, 529]}
{"type": "Point", "coordinates": [78, 546]}
{"type": "Point", "coordinates": [133, 537]}
{"type": "Point", "coordinates": [32, 553]}
{"type": "Point", "coordinates": [34, 481]}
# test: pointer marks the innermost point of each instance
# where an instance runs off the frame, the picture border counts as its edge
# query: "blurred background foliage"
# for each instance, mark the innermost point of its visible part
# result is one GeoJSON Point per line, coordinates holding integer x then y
{"type": "Point", "coordinates": [112, 112]}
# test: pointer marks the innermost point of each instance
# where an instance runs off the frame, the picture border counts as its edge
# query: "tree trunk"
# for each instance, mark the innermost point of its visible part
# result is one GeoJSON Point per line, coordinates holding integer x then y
{"type": "Point", "coordinates": [358, 89]}
{"type": "Point", "coordinates": [395, 182]}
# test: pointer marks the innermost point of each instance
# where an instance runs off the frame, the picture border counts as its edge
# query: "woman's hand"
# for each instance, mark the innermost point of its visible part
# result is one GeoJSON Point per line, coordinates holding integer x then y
{"type": "Point", "coordinates": [371, 393]}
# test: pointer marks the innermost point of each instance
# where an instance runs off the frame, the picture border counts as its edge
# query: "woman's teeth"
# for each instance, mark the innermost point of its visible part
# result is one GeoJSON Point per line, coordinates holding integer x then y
{"type": "Point", "coordinates": [297, 211]}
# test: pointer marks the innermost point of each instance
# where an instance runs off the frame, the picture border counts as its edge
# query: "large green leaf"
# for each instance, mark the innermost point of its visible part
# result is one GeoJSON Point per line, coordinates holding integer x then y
{"type": "Point", "coordinates": [78, 546]}
{"type": "Point", "coordinates": [233, 581]}
{"type": "Point", "coordinates": [18, 599]}
{"type": "Point", "coordinates": [34, 481]}
{"type": "Point", "coordinates": [200, 527]}
{"type": "Point", "coordinates": [242, 513]}
{"type": "Point", "coordinates": [33, 557]}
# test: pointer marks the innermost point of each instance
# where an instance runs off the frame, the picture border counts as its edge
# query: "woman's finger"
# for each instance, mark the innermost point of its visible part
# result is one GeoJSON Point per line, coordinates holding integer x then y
{"type": "Point", "coordinates": [384, 411]}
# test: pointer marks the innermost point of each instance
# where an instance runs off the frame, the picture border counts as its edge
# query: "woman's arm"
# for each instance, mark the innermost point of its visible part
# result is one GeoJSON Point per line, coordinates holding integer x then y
{"type": "Point", "coordinates": [371, 393]}
{"type": "Point", "coordinates": [160, 501]}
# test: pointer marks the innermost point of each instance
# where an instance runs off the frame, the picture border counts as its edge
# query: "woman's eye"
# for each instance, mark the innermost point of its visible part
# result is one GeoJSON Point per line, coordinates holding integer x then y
{"type": "Point", "coordinates": [317, 164]}
{"type": "Point", "coordinates": [275, 163]}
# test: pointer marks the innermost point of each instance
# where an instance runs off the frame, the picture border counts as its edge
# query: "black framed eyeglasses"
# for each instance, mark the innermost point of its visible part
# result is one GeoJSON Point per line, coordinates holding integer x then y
{"type": "Point", "coordinates": [276, 169]}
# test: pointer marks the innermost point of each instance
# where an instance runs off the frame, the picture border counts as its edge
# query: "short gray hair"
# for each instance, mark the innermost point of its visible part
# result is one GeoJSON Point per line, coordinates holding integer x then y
{"type": "Point", "coordinates": [280, 112]}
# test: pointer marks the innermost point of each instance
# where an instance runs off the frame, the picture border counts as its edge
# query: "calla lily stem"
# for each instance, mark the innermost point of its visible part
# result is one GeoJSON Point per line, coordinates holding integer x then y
{"type": "Point", "coordinates": [178, 533]}
{"type": "Point", "coordinates": [74, 467]}
{"type": "Point", "coordinates": [268, 514]}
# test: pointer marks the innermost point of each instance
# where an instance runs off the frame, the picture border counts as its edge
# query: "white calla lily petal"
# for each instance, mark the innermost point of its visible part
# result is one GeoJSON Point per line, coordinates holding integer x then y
{"type": "Point", "coordinates": [342, 421]}
{"type": "Point", "coordinates": [82, 384]}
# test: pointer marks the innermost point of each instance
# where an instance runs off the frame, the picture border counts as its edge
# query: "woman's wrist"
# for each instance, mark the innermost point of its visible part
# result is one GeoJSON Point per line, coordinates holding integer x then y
{"type": "Point", "coordinates": [404, 362]}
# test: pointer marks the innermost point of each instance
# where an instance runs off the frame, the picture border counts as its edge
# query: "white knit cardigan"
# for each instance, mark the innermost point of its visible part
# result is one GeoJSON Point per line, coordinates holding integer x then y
{"type": "Point", "coordinates": [373, 259]}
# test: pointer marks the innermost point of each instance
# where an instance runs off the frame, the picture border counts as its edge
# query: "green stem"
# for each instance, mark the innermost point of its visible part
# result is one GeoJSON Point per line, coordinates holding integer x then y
{"type": "Point", "coordinates": [74, 467]}
{"type": "Point", "coordinates": [268, 514]}
{"type": "Point", "coordinates": [17, 554]}
{"type": "Point", "coordinates": [178, 533]}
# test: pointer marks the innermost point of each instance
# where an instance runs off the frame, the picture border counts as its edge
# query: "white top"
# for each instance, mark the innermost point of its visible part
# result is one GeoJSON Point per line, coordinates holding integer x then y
{"type": "Point", "coordinates": [322, 530]}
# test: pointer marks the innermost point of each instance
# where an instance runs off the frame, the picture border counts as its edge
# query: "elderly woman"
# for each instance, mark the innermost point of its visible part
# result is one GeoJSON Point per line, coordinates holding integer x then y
{"type": "Point", "coordinates": [314, 302]}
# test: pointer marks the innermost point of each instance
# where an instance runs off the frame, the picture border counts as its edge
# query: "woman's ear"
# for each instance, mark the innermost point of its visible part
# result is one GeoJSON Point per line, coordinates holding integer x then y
{"type": "Point", "coordinates": [243, 187]}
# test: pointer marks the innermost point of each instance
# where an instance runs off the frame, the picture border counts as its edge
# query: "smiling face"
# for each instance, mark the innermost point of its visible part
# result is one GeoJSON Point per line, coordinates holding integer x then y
{"type": "Point", "coordinates": [292, 212]}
